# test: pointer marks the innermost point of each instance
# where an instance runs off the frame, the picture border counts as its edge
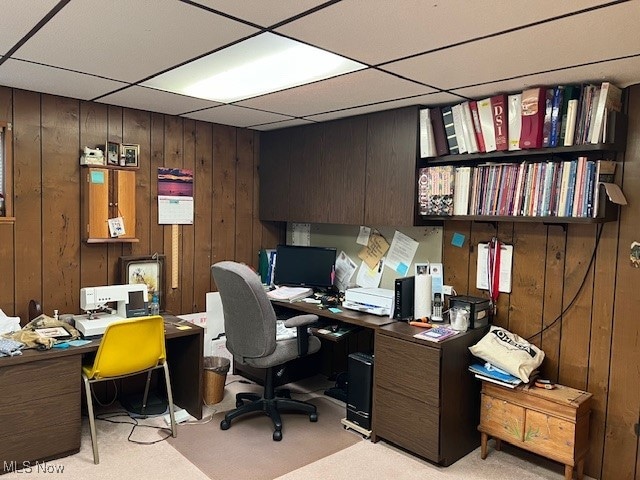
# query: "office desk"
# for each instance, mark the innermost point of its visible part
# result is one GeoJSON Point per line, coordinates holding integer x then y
{"type": "Point", "coordinates": [41, 393]}
{"type": "Point", "coordinates": [346, 316]}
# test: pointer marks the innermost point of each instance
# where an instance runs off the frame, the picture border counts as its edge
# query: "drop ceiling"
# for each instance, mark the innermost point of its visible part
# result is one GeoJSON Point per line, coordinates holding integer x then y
{"type": "Point", "coordinates": [416, 52]}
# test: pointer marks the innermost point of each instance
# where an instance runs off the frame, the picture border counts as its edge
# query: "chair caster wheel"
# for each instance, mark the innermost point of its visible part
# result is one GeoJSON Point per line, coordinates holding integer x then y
{"type": "Point", "coordinates": [313, 417]}
{"type": "Point", "coordinates": [277, 436]}
{"type": "Point", "coordinates": [224, 425]}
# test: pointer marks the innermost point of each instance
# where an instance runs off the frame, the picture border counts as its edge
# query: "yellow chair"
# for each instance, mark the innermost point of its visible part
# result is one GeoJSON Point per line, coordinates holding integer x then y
{"type": "Point", "coordinates": [128, 347]}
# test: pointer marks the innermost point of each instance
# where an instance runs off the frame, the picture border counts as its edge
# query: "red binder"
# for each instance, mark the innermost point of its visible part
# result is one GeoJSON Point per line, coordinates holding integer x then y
{"type": "Point", "coordinates": [533, 110]}
{"type": "Point", "coordinates": [500, 121]}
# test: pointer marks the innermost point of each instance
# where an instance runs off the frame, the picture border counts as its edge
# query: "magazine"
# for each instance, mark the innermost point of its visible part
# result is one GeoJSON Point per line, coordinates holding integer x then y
{"type": "Point", "coordinates": [436, 334]}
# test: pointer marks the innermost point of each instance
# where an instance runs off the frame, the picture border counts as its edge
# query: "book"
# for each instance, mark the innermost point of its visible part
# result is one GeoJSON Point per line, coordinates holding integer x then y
{"type": "Point", "coordinates": [427, 137]}
{"type": "Point", "coordinates": [533, 110]}
{"type": "Point", "coordinates": [450, 131]}
{"type": "Point", "coordinates": [486, 124]}
{"type": "Point", "coordinates": [489, 371]}
{"type": "Point", "coordinates": [468, 128]}
{"type": "Point", "coordinates": [572, 114]}
{"type": "Point", "coordinates": [514, 114]}
{"type": "Point", "coordinates": [289, 294]}
{"type": "Point", "coordinates": [436, 334]}
{"type": "Point", "coordinates": [556, 119]}
{"type": "Point", "coordinates": [477, 128]}
{"type": "Point", "coordinates": [456, 111]}
{"type": "Point", "coordinates": [571, 92]}
{"type": "Point", "coordinates": [548, 108]}
{"type": "Point", "coordinates": [439, 132]}
{"type": "Point", "coordinates": [610, 99]}
{"type": "Point", "coordinates": [500, 121]}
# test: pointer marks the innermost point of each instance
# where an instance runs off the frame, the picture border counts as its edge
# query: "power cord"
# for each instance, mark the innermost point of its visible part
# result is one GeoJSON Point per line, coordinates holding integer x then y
{"type": "Point", "coordinates": [107, 417]}
{"type": "Point", "coordinates": [575, 297]}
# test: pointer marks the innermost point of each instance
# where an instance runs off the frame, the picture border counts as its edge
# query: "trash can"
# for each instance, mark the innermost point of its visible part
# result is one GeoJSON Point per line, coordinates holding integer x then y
{"type": "Point", "coordinates": [215, 376]}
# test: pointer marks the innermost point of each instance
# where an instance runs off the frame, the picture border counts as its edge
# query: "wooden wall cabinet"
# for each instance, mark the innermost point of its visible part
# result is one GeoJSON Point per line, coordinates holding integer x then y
{"type": "Point", "coordinates": [424, 399]}
{"type": "Point", "coordinates": [108, 193]}
{"type": "Point", "coordinates": [349, 171]}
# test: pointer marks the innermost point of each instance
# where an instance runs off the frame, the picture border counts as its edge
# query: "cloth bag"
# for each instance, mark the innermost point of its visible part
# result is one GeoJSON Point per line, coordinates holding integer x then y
{"type": "Point", "coordinates": [508, 351]}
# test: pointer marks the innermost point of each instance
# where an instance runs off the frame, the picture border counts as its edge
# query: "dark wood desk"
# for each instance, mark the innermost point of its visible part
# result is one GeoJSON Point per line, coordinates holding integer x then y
{"type": "Point", "coordinates": [347, 316]}
{"type": "Point", "coordinates": [41, 393]}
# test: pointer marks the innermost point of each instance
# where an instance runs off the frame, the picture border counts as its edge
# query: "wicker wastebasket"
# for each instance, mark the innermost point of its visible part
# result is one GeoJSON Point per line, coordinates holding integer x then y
{"type": "Point", "coordinates": [215, 376]}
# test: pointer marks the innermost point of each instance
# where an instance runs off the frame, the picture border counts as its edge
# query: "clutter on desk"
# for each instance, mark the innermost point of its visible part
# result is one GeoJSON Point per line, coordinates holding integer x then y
{"type": "Point", "coordinates": [43, 332]}
{"type": "Point", "coordinates": [289, 294]}
{"type": "Point", "coordinates": [509, 352]}
{"type": "Point", "coordinates": [10, 348]}
{"type": "Point", "coordinates": [8, 324]}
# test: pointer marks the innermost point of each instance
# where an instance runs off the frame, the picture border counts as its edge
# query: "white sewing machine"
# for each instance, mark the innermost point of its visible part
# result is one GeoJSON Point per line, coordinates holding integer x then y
{"type": "Point", "coordinates": [131, 301]}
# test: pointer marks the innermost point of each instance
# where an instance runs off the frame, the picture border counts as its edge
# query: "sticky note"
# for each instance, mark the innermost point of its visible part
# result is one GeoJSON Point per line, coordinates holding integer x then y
{"type": "Point", "coordinates": [97, 176]}
{"type": "Point", "coordinates": [457, 240]}
{"type": "Point", "coordinates": [335, 310]}
{"type": "Point", "coordinates": [402, 269]}
{"type": "Point", "coordinates": [183, 327]}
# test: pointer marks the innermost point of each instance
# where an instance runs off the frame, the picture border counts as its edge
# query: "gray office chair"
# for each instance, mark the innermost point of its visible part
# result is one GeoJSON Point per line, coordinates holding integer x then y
{"type": "Point", "coordinates": [250, 328]}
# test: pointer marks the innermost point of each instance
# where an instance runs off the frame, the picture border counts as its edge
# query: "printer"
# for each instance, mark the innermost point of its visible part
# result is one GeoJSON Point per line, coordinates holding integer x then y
{"type": "Point", "coordinates": [376, 301]}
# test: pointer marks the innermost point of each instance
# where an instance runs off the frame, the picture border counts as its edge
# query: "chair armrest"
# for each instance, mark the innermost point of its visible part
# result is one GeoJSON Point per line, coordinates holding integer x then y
{"type": "Point", "coordinates": [301, 322]}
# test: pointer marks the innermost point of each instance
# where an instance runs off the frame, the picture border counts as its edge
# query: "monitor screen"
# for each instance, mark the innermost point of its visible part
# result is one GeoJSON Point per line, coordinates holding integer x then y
{"type": "Point", "coordinates": [304, 266]}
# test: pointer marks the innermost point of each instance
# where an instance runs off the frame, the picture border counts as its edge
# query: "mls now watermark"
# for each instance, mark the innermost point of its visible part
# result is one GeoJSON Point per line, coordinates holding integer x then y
{"type": "Point", "coordinates": [31, 467]}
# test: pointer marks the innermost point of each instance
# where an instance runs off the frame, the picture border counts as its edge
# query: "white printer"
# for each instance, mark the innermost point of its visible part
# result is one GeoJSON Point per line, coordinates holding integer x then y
{"type": "Point", "coordinates": [377, 301]}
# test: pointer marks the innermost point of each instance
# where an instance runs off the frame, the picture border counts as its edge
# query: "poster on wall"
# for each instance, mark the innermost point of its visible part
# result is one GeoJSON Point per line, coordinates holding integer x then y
{"type": "Point", "coordinates": [175, 196]}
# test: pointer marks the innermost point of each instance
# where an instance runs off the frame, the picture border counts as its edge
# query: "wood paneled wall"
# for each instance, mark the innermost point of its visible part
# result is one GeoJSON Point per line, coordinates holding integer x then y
{"type": "Point", "coordinates": [595, 345]}
{"type": "Point", "coordinates": [42, 256]}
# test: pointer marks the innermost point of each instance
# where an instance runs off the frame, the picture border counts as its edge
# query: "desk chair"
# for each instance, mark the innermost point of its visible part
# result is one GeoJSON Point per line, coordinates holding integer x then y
{"type": "Point", "coordinates": [250, 328]}
{"type": "Point", "coordinates": [128, 347]}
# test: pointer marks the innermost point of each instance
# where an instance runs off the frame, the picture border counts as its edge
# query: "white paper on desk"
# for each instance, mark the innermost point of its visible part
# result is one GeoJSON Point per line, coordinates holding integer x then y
{"type": "Point", "coordinates": [301, 234]}
{"type": "Point", "coordinates": [8, 324]}
{"type": "Point", "coordinates": [370, 277]}
{"type": "Point", "coordinates": [482, 275]}
{"type": "Point", "coordinates": [401, 253]}
{"type": "Point", "coordinates": [345, 268]}
{"type": "Point", "coordinates": [363, 236]}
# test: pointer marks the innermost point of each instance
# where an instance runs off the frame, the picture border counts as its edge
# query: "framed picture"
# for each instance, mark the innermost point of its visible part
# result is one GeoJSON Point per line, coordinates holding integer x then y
{"type": "Point", "coordinates": [130, 153]}
{"type": "Point", "coordinates": [147, 269]}
{"type": "Point", "coordinates": [112, 152]}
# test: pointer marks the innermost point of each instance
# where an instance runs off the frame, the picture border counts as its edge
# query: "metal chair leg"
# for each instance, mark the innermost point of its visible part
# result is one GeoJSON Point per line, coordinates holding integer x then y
{"type": "Point", "coordinates": [92, 420]}
{"type": "Point", "coordinates": [145, 397]}
{"type": "Point", "coordinates": [174, 429]}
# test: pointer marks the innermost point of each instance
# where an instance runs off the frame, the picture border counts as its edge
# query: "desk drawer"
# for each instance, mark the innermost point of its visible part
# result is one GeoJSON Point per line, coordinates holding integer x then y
{"type": "Point", "coordinates": [407, 422]}
{"type": "Point", "coordinates": [408, 368]}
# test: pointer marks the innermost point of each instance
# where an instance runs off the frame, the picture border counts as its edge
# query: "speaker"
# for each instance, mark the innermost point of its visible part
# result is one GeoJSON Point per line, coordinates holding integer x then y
{"type": "Point", "coordinates": [360, 389]}
{"type": "Point", "coordinates": [404, 293]}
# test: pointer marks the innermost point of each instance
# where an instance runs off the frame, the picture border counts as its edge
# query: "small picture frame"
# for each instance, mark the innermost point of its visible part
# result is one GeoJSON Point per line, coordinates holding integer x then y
{"type": "Point", "coordinates": [147, 269]}
{"type": "Point", "coordinates": [112, 152]}
{"type": "Point", "coordinates": [130, 154]}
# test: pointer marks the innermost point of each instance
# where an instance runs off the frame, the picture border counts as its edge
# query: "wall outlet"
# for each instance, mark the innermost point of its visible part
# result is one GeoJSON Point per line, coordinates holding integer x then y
{"type": "Point", "coordinates": [447, 290]}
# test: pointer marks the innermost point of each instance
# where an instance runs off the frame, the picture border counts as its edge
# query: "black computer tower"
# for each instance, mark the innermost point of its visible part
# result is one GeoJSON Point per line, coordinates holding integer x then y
{"type": "Point", "coordinates": [360, 389]}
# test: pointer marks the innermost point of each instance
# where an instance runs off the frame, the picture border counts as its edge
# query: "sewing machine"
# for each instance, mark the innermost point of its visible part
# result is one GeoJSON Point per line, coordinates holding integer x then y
{"type": "Point", "coordinates": [131, 301]}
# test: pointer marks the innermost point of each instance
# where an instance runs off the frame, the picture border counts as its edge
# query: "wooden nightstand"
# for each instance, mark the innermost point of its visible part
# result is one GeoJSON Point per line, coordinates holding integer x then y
{"type": "Point", "coordinates": [552, 423]}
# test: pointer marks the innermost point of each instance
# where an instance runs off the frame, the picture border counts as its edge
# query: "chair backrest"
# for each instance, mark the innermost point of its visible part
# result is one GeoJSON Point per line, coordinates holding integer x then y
{"type": "Point", "coordinates": [130, 346]}
{"type": "Point", "coordinates": [249, 319]}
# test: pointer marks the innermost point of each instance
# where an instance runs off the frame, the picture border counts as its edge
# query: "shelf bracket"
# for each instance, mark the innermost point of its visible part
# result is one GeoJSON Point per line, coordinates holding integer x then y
{"type": "Point", "coordinates": [563, 225]}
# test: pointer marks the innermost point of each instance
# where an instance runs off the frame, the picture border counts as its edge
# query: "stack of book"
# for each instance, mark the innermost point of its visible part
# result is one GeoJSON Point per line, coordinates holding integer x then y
{"type": "Point", "coordinates": [553, 116]}
{"type": "Point", "coordinates": [489, 373]}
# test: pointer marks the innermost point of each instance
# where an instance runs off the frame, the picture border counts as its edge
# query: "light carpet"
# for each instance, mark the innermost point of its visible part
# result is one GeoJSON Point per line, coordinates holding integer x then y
{"type": "Point", "coordinates": [250, 452]}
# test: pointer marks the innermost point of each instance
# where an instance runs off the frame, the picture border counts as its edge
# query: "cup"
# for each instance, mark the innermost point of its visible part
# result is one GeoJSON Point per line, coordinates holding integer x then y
{"type": "Point", "coordinates": [459, 319]}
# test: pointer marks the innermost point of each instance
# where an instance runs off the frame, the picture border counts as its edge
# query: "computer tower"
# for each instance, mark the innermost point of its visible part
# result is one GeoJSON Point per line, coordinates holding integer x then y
{"type": "Point", "coordinates": [360, 389]}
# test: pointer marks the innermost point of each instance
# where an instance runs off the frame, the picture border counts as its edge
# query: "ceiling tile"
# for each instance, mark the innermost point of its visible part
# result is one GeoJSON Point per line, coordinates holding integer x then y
{"type": "Point", "coordinates": [438, 98]}
{"type": "Point", "coordinates": [236, 116]}
{"type": "Point", "coordinates": [383, 30]}
{"type": "Point", "coordinates": [263, 13]}
{"type": "Point", "coordinates": [285, 124]}
{"type": "Point", "coordinates": [619, 72]}
{"type": "Point", "coordinates": [24, 15]}
{"type": "Point", "coordinates": [352, 90]}
{"type": "Point", "coordinates": [159, 101]}
{"type": "Point", "coordinates": [134, 39]}
{"type": "Point", "coordinates": [533, 50]}
{"type": "Point", "coordinates": [40, 78]}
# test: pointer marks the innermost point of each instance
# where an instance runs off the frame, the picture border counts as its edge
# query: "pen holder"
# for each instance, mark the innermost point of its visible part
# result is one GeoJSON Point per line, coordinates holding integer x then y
{"type": "Point", "coordinates": [459, 319]}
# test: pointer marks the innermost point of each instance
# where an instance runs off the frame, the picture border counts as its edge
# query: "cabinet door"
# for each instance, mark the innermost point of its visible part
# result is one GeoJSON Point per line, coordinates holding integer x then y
{"type": "Point", "coordinates": [123, 200]}
{"type": "Point", "coordinates": [275, 158]}
{"type": "Point", "coordinates": [392, 143]}
{"type": "Point", "coordinates": [308, 196]}
{"type": "Point", "coordinates": [96, 203]}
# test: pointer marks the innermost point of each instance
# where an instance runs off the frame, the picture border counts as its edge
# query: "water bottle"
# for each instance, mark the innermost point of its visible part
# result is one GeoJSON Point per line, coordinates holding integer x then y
{"type": "Point", "coordinates": [154, 306]}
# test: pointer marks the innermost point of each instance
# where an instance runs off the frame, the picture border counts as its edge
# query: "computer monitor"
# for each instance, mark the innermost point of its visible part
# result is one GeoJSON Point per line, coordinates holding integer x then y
{"type": "Point", "coordinates": [305, 266]}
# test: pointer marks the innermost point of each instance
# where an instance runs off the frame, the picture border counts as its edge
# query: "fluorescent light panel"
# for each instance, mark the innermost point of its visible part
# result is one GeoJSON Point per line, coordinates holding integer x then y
{"type": "Point", "coordinates": [262, 64]}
